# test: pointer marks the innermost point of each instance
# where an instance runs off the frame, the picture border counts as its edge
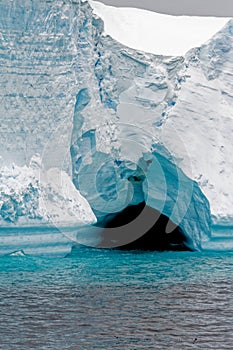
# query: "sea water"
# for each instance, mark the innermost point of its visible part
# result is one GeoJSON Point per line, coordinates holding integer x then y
{"type": "Point", "coordinates": [103, 299]}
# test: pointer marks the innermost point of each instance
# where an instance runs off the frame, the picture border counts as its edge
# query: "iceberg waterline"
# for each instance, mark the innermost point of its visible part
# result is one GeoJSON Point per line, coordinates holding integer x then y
{"type": "Point", "coordinates": [125, 126]}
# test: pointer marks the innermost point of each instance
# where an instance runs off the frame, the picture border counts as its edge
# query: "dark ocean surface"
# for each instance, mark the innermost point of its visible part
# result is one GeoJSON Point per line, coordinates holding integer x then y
{"type": "Point", "coordinates": [99, 299]}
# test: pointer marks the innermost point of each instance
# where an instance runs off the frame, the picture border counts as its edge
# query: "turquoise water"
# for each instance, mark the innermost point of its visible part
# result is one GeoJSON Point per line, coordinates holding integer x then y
{"type": "Point", "coordinates": [99, 299]}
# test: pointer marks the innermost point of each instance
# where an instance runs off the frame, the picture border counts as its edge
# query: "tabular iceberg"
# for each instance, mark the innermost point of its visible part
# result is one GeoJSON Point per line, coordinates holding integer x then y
{"type": "Point", "coordinates": [90, 127]}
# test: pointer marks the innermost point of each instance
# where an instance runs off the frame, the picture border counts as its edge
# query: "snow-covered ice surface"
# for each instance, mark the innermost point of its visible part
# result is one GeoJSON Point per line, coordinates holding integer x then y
{"type": "Point", "coordinates": [89, 125]}
{"type": "Point", "coordinates": [157, 33]}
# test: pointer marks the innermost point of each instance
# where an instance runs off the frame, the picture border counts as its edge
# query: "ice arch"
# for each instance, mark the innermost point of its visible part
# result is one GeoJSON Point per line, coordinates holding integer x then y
{"type": "Point", "coordinates": [113, 187]}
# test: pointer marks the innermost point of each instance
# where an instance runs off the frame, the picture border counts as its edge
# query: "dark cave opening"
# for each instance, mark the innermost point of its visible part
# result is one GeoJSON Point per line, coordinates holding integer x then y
{"type": "Point", "coordinates": [120, 228]}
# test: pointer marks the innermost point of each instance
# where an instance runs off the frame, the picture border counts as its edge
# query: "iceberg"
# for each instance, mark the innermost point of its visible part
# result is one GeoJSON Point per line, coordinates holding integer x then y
{"type": "Point", "coordinates": [92, 125]}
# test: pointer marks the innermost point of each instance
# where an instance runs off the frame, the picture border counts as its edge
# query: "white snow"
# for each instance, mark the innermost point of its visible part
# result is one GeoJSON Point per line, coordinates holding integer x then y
{"type": "Point", "coordinates": [157, 33]}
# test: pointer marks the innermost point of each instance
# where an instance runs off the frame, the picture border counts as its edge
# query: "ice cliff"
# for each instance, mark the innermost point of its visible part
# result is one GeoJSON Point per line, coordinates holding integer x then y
{"type": "Point", "coordinates": [90, 126]}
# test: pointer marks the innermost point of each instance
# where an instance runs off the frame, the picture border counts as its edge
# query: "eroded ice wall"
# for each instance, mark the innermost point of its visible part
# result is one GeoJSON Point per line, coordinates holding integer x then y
{"type": "Point", "coordinates": [127, 126]}
{"type": "Point", "coordinates": [40, 60]}
{"type": "Point", "coordinates": [42, 66]}
{"type": "Point", "coordinates": [120, 137]}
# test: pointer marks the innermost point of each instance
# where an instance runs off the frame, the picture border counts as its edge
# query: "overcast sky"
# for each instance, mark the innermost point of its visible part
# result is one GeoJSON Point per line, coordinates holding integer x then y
{"type": "Point", "coordinates": [178, 7]}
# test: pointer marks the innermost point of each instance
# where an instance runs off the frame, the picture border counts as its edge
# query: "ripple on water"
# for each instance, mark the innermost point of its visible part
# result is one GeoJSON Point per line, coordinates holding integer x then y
{"type": "Point", "coordinates": [113, 300]}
